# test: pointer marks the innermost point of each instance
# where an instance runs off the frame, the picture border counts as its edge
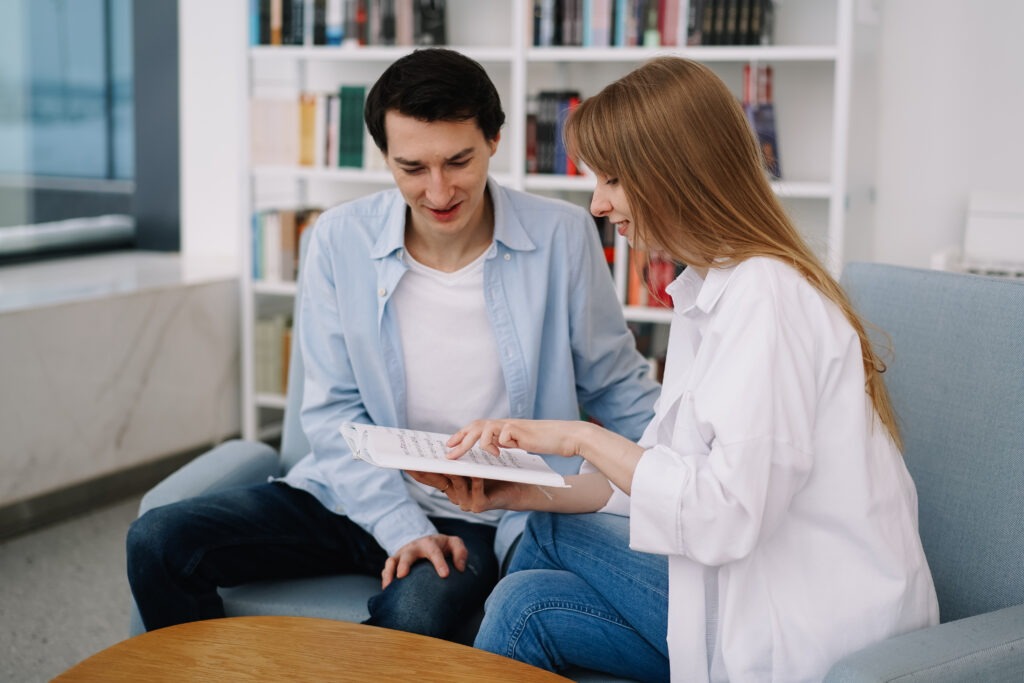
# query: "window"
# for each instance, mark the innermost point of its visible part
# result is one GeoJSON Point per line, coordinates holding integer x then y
{"type": "Point", "coordinates": [67, 129]}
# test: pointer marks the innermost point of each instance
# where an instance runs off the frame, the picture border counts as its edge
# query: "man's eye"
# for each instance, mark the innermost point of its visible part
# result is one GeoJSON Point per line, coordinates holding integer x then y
{"type": "Point", "coordinates": [412, 171]}
{"type": "Point", "coordinates": [459, 164]}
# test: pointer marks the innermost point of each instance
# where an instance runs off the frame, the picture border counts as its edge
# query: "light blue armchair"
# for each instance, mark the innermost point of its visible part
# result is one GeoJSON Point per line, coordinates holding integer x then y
{"type": "Point", "coordinates": [957, 380]}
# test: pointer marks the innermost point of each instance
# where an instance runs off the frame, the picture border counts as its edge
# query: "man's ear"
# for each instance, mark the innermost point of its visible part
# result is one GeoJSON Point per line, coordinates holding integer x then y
{"type": "Point", "coordinates": [494, 143]}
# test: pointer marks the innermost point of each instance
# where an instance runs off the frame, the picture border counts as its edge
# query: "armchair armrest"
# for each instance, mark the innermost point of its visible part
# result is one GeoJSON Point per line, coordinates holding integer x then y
{"type": "Point", "coordinates": [986, 647]}
{"type": "Point", "coordinates": [232, 463]}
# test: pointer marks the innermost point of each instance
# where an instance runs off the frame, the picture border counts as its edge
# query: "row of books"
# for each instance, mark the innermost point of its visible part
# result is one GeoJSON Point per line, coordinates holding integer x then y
{"type": "Point", "coordinates": [730, 22]}
{"type": "Point", "coordinates": [272, 341]}
{"type": "Point", "coordinates": [275, 242]}
{"type": "Point", "coordinates": [347, 22]}
{"type": "Point", "coordinates": [315, 129]}
{"type": "Point", "coordinates": [608, 23]}
{"type": "Point", "coordinates": [546, 113]}
{"type": "Point", "coordinates": [651, 23]}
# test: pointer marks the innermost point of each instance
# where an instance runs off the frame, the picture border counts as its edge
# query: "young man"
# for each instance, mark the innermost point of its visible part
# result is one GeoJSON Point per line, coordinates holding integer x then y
{"type": "Point", "coordinates": [448, 299]}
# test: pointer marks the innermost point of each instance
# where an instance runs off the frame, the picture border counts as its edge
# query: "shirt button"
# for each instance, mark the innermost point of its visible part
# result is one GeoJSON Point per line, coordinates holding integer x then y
{"type": "Point", "coordinates": [382, 292]}
{"type": "Point", "coordinates": [508, 257]}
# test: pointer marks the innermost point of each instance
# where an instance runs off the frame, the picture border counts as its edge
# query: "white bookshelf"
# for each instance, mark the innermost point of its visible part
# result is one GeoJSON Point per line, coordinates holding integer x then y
{"type": "Point", "coordinates": [812, 58]}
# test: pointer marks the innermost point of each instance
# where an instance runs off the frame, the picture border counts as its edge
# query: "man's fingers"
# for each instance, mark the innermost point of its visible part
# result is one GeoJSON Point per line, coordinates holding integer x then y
{"type": "Point", "coordinates": [436, 557]}
{"type": "Point", "coordinates": [460, 554]}
{"type": "Point", "coordinates": [388, 575]}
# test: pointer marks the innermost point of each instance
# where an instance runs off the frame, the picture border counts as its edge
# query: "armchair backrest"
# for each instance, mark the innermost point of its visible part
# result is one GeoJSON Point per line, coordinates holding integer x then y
{"type": "Point", "coordinates": [956, 377]}
{"type": "Point", "coordinates": [294, 445]}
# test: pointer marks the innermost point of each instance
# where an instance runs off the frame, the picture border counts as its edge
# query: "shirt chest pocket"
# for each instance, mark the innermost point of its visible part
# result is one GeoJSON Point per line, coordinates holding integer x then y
{"type": "Point", "coordinates": [683, 431]}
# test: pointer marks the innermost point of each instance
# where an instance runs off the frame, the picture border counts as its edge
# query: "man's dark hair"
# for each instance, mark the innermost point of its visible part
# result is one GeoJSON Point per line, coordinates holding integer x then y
{"type": "Point", "coordinates": [434, 84]}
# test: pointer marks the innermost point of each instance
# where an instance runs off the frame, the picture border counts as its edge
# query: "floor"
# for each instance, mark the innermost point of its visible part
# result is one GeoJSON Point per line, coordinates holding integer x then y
{"type": "Point", "coordinates": [63, 593]}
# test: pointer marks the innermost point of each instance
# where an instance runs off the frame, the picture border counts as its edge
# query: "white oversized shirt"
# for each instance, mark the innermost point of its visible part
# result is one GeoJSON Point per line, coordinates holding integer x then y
{"type": "Point", "coordinates": [768, 469]}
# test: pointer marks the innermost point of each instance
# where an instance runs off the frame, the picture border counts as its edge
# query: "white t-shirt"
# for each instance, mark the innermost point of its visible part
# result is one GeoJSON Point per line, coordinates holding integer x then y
{"type": "Point", "coordinates": [452, 372]}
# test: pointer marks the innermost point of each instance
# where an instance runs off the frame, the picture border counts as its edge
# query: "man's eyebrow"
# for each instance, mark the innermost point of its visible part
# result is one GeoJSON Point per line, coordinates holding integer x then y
{"type": "Point", "coordinates": [455, 157]}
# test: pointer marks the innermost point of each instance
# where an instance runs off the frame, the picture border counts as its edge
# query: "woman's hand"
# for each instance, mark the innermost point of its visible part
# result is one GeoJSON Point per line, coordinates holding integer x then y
{"type": "Point", "coordinates": [554, 437]}
{"type": "Point", "coordinates": [432, 548]}
{"type": "Point", "coordinates": [614, 455]}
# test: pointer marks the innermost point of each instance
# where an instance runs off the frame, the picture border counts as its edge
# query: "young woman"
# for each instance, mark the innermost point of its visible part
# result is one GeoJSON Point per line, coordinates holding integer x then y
{"type": "Point", "coordinates": [771, 475]}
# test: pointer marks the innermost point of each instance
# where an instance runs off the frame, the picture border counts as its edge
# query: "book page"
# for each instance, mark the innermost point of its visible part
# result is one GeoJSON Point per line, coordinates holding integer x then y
{"type": "Point", "coordinates": [409, 449]}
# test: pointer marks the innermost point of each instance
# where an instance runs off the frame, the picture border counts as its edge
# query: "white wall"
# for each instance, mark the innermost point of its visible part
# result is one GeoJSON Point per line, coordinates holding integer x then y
{"type": "Point", "coordinates": [951, 118]}
{"type": "Point", "coordinates": [213, 37]}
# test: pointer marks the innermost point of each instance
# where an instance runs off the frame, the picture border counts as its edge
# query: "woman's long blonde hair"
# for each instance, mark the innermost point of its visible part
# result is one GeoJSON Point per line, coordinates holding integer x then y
{"type": "Point", "coordinates": [679, 143]}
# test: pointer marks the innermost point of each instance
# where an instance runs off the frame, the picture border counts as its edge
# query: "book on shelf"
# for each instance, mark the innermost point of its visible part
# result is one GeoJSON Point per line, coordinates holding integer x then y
{"type": "Point", "coordinates": [276, 234]}
{"type": "Point", "coordinates": [760, 111]}
{"type": "Point", "coordinates": [271, 348]}
{"type": "Point", "coordinates": [597, 23]}
{"type": "Point", "coordinates": [532, 105]}
{"type": "Point", "coordinates": [356, 23]}
{"type": "Point", "coordinates": [350, 131]}
{"type": "Point", "coordinates": [409, 449]}
{"type": "Point", "coordinates": [334, 22]}
{"type": "Point", "coordinates": [430, 22]}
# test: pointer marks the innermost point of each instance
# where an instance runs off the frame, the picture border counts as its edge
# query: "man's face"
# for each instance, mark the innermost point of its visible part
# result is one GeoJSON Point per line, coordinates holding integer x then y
{"type": "Point", "coordinates": [441, 170]}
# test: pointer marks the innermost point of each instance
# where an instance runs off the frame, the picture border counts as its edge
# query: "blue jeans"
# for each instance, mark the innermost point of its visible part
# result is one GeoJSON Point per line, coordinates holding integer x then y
{"type": "Point", "coordinates": [179, 554]}
{"type": "Point", "coordinates": [576, 595]}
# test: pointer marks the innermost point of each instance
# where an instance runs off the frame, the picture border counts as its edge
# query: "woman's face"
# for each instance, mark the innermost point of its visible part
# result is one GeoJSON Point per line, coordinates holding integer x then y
{"type": "Point", "coordinates": [609, 201]}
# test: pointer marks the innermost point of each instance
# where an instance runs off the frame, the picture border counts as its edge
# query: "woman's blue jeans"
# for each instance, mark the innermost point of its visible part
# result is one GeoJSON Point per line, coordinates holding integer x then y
{"type": "Point", "coordinates": [179, 554]}
{"type": "Point", "coordinates": [576, 595]}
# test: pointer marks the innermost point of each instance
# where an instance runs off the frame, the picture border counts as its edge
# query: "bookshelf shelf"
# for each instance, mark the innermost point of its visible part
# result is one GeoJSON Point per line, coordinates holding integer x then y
{"type": "Point", "coordinates": [648, 314]}
{"type": "Point", "coordinates": [270, 288]}
{"type": "Point", "coordinates": [710, 54]}
{"type": "Point", "coordinates": [383, 55]}
{"type": "Point", "coordinates": [330, 174]}
{"type": "Point", "coordinates": [813, 60]}
{"type": "Point", "coordinates": [271, 401]}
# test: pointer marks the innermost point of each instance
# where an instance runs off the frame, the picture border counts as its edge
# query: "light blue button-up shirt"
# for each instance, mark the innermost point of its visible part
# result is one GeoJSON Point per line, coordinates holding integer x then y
{"type": "Point", "coordinates": [562, 343]}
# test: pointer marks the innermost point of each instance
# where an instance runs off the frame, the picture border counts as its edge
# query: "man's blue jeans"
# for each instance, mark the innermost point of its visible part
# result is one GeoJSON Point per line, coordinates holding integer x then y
{"type": "Point", "coordinates": [576, 595]}
{"type": "Point", "coordinates": [179, 554]}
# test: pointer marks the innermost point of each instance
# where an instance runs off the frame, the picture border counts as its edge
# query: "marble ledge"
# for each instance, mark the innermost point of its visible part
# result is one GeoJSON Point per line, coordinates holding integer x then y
{"type": "Point", "coordinates": [89, 277]}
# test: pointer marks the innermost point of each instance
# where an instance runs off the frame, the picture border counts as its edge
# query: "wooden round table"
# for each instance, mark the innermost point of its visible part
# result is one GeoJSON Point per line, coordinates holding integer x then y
{"type": "Point", "coordinates": [296, 649]}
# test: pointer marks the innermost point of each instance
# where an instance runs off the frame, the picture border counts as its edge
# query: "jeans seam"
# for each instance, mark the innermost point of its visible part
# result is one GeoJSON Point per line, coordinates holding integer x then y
{"type": "Point", "coordinates": [612, 568]}
{"type": "Point", "coordinates": [565, 605]}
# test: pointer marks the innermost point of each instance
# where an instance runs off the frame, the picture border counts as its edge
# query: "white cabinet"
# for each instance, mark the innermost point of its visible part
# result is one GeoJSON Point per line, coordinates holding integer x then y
{"type": "Point", "coordinates": [813, 58]}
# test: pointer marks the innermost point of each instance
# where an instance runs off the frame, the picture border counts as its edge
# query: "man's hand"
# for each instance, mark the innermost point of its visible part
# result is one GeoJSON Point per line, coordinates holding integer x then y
{"type": "Point", "coordinates": [473, 494]}
{"type": "Point", "coordinates": [431, 548]}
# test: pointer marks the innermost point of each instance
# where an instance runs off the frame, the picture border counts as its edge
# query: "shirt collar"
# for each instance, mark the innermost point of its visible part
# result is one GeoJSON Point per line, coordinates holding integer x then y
{"type": "Point", "coordinates": [507, 228]}
{"type": "Point", "coordinates": [690, 291]}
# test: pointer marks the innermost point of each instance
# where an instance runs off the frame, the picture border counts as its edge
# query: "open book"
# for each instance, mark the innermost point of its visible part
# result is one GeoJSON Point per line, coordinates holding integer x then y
{"type": "Point", "coordinates": [408, 449]}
